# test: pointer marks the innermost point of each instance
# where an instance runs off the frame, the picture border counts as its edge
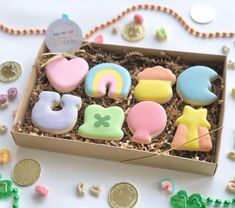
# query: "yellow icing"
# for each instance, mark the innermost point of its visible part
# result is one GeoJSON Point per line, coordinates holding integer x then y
{"type": "Point", "coordinates": [193, 119]}
{"type": "Point", "coordinates": [111, 72]}
{"type": "Point", "coordinates": [153, 90]}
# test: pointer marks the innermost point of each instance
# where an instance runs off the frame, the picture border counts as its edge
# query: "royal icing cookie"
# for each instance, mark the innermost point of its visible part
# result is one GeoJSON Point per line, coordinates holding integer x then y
{"type": "Point", "coordinates": [102, 123]}
{"type": "Point", "coordinates": [191, 125]}
{"type": "Point", "coordinates": [193, 85]}
{"type": "Point", "coordinates": [155, 84]}
{"type": "Point", "coordinates": [56, 122]}
{"type": "Point", "coordinates": [66, 75]}
{"type": "Point", "coordinates": [109, 76]}
{"type": "Point", "coordinates": [146, 120]}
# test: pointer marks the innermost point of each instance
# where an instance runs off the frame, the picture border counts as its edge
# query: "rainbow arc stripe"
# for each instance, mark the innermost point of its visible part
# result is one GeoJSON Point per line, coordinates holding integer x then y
{"type": "Point", "coordinates": [109, 76]}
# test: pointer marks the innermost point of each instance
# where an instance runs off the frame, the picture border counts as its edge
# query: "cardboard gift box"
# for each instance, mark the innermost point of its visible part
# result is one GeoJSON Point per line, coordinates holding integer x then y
{"type": "Point", "coordinates": [127, 155]}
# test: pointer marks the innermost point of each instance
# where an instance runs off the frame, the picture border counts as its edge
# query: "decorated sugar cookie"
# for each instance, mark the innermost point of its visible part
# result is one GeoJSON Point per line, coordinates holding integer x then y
{"type": "Point", "coordinates": [109, 76]}
{"type": "Point", "coordinates": [56, 122]}
{"type": "Point", "coordinates": [102, 123]}
{"type": "Point", "coordinates": [155, 84]}
{"type": "Point", "coordinates": [193, 85]}
{"type": "Point", "coordinates": [146, 120]}
{"type": "Point", "coordinates": [66, 75]}
{"type": "Point", "coordinates": [191, 125]}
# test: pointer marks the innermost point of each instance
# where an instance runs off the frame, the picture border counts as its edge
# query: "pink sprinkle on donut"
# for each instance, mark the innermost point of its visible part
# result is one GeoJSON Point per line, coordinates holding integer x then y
{"type": "Point", "coordinates": [41, 190]}
{"type": "Point", "coordinates": [138, 19]}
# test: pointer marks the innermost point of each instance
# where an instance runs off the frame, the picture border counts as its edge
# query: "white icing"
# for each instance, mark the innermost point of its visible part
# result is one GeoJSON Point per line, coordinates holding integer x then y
{"type": "Point", "coordinates": [58, 122]}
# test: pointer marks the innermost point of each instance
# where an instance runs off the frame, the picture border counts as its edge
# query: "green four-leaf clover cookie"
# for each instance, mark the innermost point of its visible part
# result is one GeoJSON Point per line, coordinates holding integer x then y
{"type": "Point", "coordinates": [102, 123]}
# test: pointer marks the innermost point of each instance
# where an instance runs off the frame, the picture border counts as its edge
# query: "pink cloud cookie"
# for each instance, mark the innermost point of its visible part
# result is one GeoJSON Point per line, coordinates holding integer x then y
{"type": "Point", "coordinates": [53, 121]}
{"type": "Point", "coordinates": [66, 75]}
{"type": "Point", "coordinates": [146, 120]}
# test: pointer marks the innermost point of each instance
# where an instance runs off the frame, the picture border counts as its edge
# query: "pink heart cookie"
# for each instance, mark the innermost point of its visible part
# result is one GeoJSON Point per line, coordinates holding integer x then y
{"type": "Point", "coordinates": [66, 75]}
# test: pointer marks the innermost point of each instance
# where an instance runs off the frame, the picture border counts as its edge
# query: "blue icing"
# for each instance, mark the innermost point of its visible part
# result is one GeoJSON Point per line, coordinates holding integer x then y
{"type": "Point", "coordinates": [121, 70]}
{"type": "Point", "coordinates": [194, 85]}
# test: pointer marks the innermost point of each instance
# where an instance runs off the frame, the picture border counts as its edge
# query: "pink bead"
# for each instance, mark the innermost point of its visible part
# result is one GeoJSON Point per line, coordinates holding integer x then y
{"type": "Point", "coordinates": [138, 19]}
{"type": "Point", "coordinates": [99, 39]}
{"type": "Point", "coordinates": [43, 191]}
{"type": "Point", "coordinates": [12, 93]}
{"type": "Point", "coordinates": [3, 99]}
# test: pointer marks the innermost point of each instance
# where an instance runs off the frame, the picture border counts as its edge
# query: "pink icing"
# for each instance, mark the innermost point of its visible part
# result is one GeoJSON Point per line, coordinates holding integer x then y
{"type": "Point", "coordinates": [146, 120]}
{"type": "Point", "coordinates": [65, 75]}
{"type": "Point", "coordinates": [107, 81]}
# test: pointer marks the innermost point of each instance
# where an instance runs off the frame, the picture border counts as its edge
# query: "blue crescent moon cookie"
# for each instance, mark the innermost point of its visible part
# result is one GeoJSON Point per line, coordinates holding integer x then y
{"type": "Point", "coordinates": [194, 84]}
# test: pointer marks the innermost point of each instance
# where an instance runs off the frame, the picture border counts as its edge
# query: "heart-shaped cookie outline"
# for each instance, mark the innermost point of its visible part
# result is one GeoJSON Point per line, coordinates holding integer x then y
{"type": "Point", "coordinates": [66, 75]}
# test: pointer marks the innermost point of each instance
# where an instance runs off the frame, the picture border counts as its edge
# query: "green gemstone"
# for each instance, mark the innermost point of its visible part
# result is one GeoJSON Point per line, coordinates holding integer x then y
{"type": "Point", "coordinates": [209, 201]}
{"type": "Point", "coordinates": [227, 203]}
{"type": "Point", "coordinates": [233, 201]}
{"type": "Point", "coordinates": [15, 206]}
{"type": "Point", "coordinates": [16, 198]}
{"type": "Point", "coordinates": [218, 202]}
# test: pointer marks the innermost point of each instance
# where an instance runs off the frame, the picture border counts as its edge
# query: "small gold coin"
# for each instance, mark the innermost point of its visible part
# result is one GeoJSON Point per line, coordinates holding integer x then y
{"type": "Point", "coordinates": [26, 172]}
{"type": "Point", "coordinates": [133, 32]}
{"type": "Point", "coordinates": [10, 71]}
{"type": "Point", "coordinates": [123, 195]}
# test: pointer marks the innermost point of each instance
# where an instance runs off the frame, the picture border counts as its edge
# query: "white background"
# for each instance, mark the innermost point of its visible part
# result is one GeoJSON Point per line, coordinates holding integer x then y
{"type": "Point", "coordinates": [61, 173]}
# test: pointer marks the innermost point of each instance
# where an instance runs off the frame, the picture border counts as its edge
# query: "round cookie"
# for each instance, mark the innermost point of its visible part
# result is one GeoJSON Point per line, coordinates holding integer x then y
{"type": "Point", "coordinates": [155, 84]}
{"type": "Point", "coordinates": [102, 123]}
{"type": "Point", "coordinates": [146, 120]}
{"type": "Point", "coordinates": [193, 85]}
{"type": "Point", "coordinates": [56, 122]}
{"type": "Point", "coordinates": [66, 75]}
{"type": "Point", "coordinates": [109, 76]}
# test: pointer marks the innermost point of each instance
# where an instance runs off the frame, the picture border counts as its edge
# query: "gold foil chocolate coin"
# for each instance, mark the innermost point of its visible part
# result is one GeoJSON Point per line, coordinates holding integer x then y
{"type": "Point", "coordinates": [123, 195]}
{"type": "Point", "coordinates": [26, 172]}
{"type": "Point", "coordinates": [10, 71]}
{"type": "Point", "coordinates": [133, 32]}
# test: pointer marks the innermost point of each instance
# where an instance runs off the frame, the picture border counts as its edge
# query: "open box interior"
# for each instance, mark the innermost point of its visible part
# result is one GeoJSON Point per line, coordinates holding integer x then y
{"type": "Point", "coordinates": [125, 150]}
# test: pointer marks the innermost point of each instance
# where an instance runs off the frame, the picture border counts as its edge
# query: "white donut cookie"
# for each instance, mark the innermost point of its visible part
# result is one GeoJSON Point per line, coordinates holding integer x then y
{"type": "Point", "coordinates": [57, 122]}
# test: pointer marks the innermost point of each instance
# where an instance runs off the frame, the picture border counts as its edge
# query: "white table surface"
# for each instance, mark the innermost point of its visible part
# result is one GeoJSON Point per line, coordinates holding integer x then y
{"type": "Point", "coordinates": [61, 173]}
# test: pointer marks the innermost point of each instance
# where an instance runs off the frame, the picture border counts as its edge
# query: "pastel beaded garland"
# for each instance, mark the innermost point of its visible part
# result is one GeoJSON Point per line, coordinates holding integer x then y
{"type": "Point", "coordinates": [193, 85]}
{"type": "Point", "coordinates": [109, 76]}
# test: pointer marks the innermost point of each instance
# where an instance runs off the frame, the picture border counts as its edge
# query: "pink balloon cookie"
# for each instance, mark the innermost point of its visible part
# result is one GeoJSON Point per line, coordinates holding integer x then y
{"type": "Point", "coordinates": [146, 120]}
{"type": "Point", "coordinates": [66, 75]}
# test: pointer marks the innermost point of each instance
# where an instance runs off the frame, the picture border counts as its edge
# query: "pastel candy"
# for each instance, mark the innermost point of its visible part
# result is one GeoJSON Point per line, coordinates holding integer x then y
{"type": "Point", "coordinates": [12, 93]}
{"type": "Point", "coordinates": [3, 99]}
{"type": "Point", "coordinates": [193, 85]}
{"type": "Point", "coordinates": [66, 75]}
{"type": "Point", "coordinates": [155, 84]}
{"type": "Point", "coordinates": [109, 76]}
{"type": "Point", "coordinates": [191, 125]}
{"type": "Point", "coordinates": [168, 185]}
{"type": "Point", "coordinates": [41, 190]}
{"type": "Point", "coordinates": [57, 122]}
{"type": "Point", "coordinates": [102, 123]}
{"type": "Point", "coordinates": [146, 120]}
{"type": "Point", "coordinates": [5, 156]}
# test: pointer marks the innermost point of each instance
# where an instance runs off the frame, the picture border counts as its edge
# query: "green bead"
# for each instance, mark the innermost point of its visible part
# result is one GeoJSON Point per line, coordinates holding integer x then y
{"type": "Point", "coordinates": [15, 191]}
{"type": "Point", "coordinates": [227, 203]}
{"type": "Point", "coordinates": [233, 201]}
{"type": "Point", "coordinates": [16, 198]}
{"type": "Point", "coordinates": [209, 201]}
{"type": "Point", "coordinates": [15, 206]}
{"type": "Point", "coordinates": [218, 202]}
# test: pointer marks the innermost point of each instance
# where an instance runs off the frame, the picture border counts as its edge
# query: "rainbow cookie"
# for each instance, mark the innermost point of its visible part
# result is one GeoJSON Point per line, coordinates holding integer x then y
{"type": "Point", "coordinates": [56, 122]}
{"type": "Point", "coordinates": [191, 125]}
{"type": "Point", "coordinates": [102, 123]}
{"type": "Point", "coordinates": [155, 84]}
{"type": "Point", "coordinates": [66, 75]}
{"type": "Point", "coordinates": [193, 85]}
{"type": "Point", "coordinates": [146, 120]}
{"type": "Point", "coordinates": [109, 76]}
